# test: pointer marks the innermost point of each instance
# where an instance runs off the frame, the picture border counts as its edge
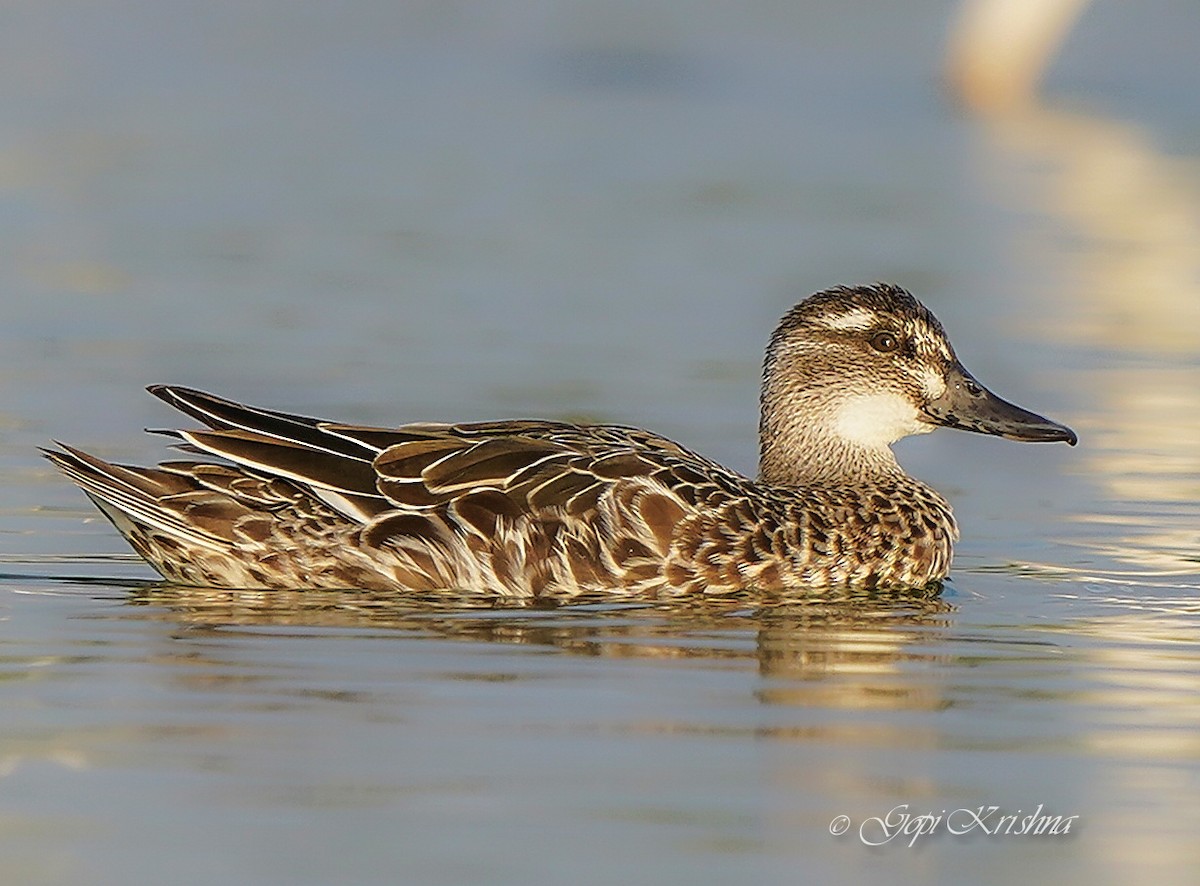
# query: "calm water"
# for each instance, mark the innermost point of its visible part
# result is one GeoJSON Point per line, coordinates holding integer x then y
{"type": "Point", "coordinates": [385, 212]}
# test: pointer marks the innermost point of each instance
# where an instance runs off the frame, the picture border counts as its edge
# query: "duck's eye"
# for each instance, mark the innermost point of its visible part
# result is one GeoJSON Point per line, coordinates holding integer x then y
{"type": "Point", "coordinates": [884, 342]}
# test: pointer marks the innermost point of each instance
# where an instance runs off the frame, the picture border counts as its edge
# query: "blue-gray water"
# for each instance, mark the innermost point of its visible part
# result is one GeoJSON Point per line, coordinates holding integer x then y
{"type": "Point", "coordinates": [385, 212]}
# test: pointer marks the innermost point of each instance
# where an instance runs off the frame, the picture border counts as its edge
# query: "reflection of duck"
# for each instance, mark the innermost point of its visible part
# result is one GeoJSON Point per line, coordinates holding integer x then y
{"type": "Point", "coordinates": [532, 508]}
{"type": "Point", "coordinates": [836, 648]}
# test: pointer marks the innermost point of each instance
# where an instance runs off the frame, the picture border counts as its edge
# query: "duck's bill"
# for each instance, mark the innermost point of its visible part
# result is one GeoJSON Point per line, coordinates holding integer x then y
{"type": "Point", "coordinates": [969, 406]}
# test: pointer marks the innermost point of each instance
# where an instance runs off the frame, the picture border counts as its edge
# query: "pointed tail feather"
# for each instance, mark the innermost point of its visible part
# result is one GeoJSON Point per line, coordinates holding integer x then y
{"type": "Point", "coordinates": [132, 495]}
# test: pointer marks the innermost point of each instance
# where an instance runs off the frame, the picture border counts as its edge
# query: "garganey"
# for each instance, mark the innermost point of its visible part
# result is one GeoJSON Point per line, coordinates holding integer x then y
{"type": "Point", "coordinates": [552, 509]}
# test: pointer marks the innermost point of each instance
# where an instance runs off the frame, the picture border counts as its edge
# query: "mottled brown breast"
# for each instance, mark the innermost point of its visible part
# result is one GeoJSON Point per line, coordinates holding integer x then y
{"type": "Point", "coordinates": [780, 538]}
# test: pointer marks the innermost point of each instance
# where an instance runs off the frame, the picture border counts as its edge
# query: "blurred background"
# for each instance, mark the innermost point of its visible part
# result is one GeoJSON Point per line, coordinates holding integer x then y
{"type": "Point", "coordinates": [394, 211]}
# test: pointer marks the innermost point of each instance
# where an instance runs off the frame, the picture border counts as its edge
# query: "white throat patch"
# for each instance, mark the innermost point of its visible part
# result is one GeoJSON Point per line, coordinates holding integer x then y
{"type": "Point", "coordinates": [875, 420]}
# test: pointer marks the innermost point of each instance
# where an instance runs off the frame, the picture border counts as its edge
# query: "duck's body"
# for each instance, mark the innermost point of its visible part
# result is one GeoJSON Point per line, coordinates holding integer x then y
{"type": "Point", "coordinates": [533, 508]}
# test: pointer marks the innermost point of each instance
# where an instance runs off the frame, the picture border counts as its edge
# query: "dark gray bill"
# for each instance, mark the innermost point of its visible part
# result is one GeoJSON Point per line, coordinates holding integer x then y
{"type": "Point", "coordinates": [970, 406]}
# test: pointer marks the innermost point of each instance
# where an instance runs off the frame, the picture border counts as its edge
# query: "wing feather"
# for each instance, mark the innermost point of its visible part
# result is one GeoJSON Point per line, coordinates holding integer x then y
{"type": "Point", "coordinates": [286, 458]}
{"type": "Point", "coordinates": [226, 415]}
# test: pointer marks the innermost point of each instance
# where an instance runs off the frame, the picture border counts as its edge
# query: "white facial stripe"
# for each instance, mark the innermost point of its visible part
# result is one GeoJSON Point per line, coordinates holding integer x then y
{"type": "Point", "coordinates": [875, 420]}
{"type": "Point", "coordinates": [855, 319]}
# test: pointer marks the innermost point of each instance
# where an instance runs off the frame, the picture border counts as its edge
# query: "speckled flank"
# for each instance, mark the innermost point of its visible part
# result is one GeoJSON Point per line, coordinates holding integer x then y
{"type": "Point", "coordinates": [535, 508]}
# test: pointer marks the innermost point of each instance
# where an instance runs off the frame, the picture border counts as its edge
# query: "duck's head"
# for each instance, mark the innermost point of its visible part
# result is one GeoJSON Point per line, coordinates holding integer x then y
{"type": "Point", "coordinates": [849, 371]}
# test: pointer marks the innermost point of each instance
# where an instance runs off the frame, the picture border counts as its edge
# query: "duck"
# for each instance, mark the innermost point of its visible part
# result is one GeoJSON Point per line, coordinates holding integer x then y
{"type": "Point", "coordinates": [550, 509]}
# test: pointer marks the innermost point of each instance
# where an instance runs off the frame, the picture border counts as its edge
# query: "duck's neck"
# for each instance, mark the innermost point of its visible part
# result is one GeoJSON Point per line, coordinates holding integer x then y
{"type": "Point", "coordinates": [815, 460]}
{"type": "Point", "coordinates": [802, 444]}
